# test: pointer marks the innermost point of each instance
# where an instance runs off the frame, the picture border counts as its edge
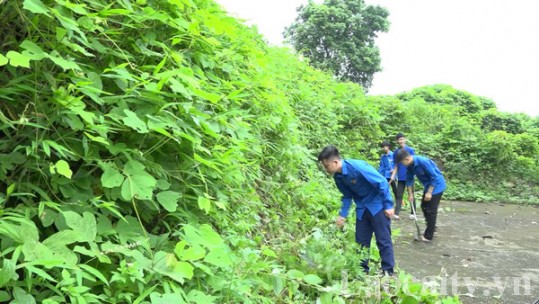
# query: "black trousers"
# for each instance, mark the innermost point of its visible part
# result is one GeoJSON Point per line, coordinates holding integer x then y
{"type": "Point", "coordinates": [430, 211]}
{"type": "Point", "coordinates": [398, 190]}
{"type": "Point", "coordinates": [380, 225]}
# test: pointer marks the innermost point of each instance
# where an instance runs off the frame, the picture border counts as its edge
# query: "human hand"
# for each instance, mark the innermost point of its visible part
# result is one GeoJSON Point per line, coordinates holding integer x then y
{"type": "Point", "coordinates": [428, 197]}
{"type": "Point", "coordinates": [389, 213]}
{"type": "Point", "coordinates": [340, 221]}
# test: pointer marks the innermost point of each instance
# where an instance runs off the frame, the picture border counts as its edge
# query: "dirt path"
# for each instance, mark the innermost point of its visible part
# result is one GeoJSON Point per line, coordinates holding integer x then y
{"type": "Point", "coordinates": [486, 253]}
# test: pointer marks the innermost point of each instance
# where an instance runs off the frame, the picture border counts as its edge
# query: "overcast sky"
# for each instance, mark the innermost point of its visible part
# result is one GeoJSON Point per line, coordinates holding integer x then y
{"type": "Point", "coordinates": [487, 47]}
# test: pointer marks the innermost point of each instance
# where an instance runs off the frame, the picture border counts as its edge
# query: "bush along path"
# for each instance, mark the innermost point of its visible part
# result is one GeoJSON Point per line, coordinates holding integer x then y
{"type": "Point", "coordinates": [160, 152]}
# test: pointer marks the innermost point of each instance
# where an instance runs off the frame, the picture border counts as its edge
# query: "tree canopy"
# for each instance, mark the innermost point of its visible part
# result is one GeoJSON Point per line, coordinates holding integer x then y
{"type": "Point", "coordinates": [339, 36]}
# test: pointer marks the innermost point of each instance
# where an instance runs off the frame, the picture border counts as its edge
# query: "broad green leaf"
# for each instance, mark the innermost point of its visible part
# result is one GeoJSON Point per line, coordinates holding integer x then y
{"type": "Point", "coordinates": [7, 272]}
{"type": "Point", "coordinates": [269, 252]}
{"type": "Point", "coordinates": [21, 297]}
{"type": "Point", "coordinates": [163, 184]}
{"type": "Point", "coordinates": [111, 177]}
{"type": "Point", "coordinates": [167, 264]}
{"type": "Point", "coordinates": [32, 50]}
{"type": "Point", "coordinates": [295, 274]}
{"type": "Point", "coordinates": [62, 168]}
{"type": "Point", "coordinates": [77, 8]}
{"type": "Point", "coordinates": [85, 226]}
{"type": "Point", "coordinates": [312, 279]}
{"type": "Point", "coordinates": [61, 238]}
{"type": "Point", "coordinates": [204, 235]}
{"type": "Point", "coordinates": [3, 60]}
{"type": "Point", "coordinates": [47, 217]}
{"type": "Point", "coordinates": [17, 59]}
{"type": "Point", "coordinates": [56, 244]}
{"type": "Point", "coordinates": [193, 253]}
{"type": "Point", "coordinates": [167, 298]}
{"type": "Point", "coordinates": [35, 6]}
{"type": "Point", "coordinates": [129, 230]}
{"type": "Point", "coordinates": [63, 63]}
{"type": "Point", "coordinates": [4, 296]}
{"type": "Point", "coordinates": [204, 204]}
{"type": "Point", "coordinates": [278, 285]}
{"type": "Point", "coordinates": [139, 183]}
{"type": "Point", "coordinates": [20, 230]}
{"type": "Point", "coordinates": [198, 297]}
{"type": "Point", "coordinates": [220, 257]}
{"type": "Point", "coordinates": [326, 298]}
{"type": "Point", "coordinates": [169, 200]}
{"type": "Point", "coordinates": [134, 122]}
{"type": "Point", "coordinates": [96, 80]}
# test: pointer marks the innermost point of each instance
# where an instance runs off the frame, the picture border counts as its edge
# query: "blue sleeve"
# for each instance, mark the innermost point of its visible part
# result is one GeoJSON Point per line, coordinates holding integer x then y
{"type": "Point", "coordinates": [410, 177]}
{"type": "Point", "coordinates": [429, 168]}
{"type": "Point", "coordinates": [346, 198]}
{"type": "Point", "coordinates": [412, 151]}
{"type": "Point", "coordinates": [381, 167]}
{"type": "Point", "coordinates": [379, 183]}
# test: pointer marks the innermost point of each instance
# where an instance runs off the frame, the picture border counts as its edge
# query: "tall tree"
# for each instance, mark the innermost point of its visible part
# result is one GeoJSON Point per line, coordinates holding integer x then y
{"type": "Point", "coordinates": [338, 35]}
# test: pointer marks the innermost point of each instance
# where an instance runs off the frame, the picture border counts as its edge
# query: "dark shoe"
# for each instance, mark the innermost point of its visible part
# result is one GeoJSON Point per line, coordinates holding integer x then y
{"type": "Point", "coordinates": [388, 273]}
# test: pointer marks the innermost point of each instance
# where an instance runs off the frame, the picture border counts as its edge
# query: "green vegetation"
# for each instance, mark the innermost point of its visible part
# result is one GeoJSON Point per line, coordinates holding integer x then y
{"type": "Point", "coordinates": [338, 36]}
{"type": "Point", "coordinates": [486, 154]}
{"type": "Point", "coordinates": [160, 152]}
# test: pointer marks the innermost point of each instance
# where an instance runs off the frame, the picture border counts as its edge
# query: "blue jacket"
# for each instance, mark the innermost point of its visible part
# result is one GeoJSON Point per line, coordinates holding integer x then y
{"type": "Point", "coordinates": [386, 164]}
{"type": "Point", "coordinates": [428, 174]}
{"type": "Point", "coordinates": [401, 174]}
{"type": "Point", "coordinates": [362, 183]}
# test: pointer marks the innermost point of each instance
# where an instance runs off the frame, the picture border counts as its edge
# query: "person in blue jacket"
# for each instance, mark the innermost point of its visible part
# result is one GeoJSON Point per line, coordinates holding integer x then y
{"type": "Point", "coordinates": [399, 176]}
{"type": "Point", "coordinates": [386, 168]}
{"type": "Point", "coordinates": [360, 182]}
{"type": "Point", "coordinates": [433, 182]}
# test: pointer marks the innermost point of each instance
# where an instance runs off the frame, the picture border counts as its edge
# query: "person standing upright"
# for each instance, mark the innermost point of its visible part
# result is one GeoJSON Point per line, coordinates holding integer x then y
{"type": "Point", "coordinates": [399, 176]}
{"type": "Point", "coordinates": [386, 168]}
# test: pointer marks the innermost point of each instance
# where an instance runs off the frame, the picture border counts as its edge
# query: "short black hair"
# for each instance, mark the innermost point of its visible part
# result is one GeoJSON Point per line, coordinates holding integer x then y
{"type": "Point", "coordinates": [385, 143]}
{"type": "Point", "coordinates": [329, 152]}
{"type": "Point", "coordinates": [399, 135]}
{"type": "Point", "coordinates": [402, 154]}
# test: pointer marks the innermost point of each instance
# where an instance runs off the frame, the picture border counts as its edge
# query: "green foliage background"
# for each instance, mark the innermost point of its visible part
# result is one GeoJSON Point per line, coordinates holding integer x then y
{"type": "Point", "coordinates": [160, 152]}
{"type": "Point", "coordinates": [487, 155]}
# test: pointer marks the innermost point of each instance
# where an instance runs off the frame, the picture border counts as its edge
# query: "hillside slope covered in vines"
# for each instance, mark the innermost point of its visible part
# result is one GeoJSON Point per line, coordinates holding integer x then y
{"type": "Point", "coordinates": [160, 152]}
